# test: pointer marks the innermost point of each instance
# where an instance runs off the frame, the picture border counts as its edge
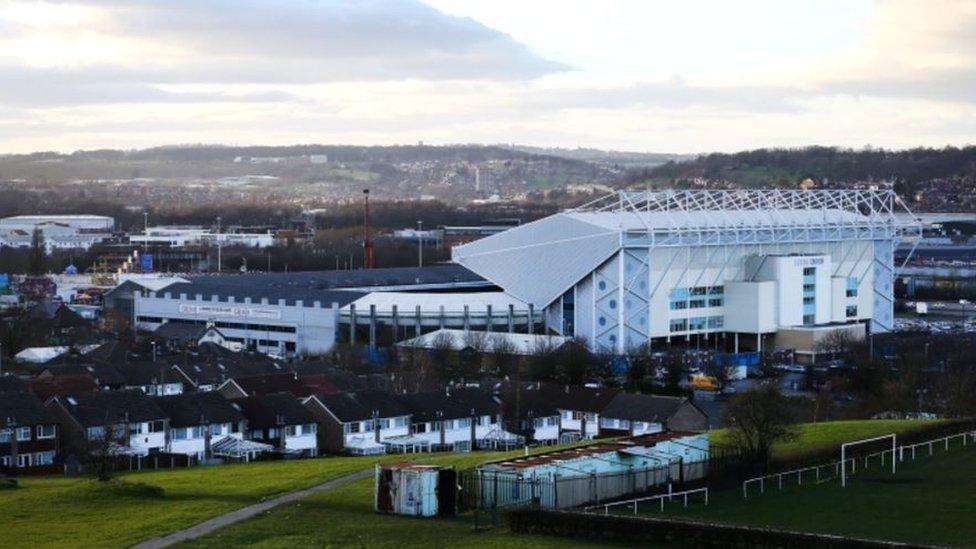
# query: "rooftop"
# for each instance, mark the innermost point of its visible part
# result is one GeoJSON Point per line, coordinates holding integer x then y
{"type": "Point", "coordinates": [590, 450]}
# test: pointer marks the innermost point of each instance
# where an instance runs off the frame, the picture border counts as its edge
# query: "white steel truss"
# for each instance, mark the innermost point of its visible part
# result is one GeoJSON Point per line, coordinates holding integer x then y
{"type": "Point", "coordinates": [718, 217]}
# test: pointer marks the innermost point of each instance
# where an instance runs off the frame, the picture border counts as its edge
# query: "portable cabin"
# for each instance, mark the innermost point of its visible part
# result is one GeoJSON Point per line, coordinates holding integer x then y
{"type": "Point", "coordinates": [416, 489]}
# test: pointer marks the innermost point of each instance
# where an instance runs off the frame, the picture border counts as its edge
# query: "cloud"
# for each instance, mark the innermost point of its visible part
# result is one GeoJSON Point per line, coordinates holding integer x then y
{"type": "Point", "coordinates": [248, 41]}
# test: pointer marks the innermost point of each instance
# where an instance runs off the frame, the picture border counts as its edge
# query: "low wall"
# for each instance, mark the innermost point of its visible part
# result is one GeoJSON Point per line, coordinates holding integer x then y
{"type": "Point", "coordinates": [616, 528]}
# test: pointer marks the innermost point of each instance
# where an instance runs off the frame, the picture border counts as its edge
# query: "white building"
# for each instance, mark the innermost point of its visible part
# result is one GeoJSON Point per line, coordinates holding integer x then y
{"type": "Point", "coordinates": [61, 232]}
{"type": "Point", "coordinates": [179, 237]}
{"type": "Point", "coordinates": [638, 268]}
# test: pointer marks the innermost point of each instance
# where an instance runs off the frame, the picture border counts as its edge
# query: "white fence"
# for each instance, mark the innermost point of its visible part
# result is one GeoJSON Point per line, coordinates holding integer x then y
{"type": "Point", "coordinates": [633, 503]}
{"type": "Point", "coordinates": [835, 466]}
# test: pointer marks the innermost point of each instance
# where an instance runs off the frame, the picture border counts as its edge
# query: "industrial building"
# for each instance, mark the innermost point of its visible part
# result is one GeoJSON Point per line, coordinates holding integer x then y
{"type": "Point", "coordinates": [725, 268]}
{"type": "Point", "coordinates": [61, 232]}
{"type": "Point", "coordinates": [307, 313]}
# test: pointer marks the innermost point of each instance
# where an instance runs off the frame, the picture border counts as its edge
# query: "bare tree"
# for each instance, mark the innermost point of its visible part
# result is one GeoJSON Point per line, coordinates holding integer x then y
{"type": "Point", "coordinates": [502, 355]}
{"type": "Point", "coordinates": [758, 418]}
{"type": "Point", "coordinates": [101, 452]}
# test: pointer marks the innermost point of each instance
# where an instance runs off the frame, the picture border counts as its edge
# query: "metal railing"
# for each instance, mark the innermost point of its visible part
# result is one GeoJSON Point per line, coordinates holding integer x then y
{"type": "Point", "coordinates": [633, 503]}
{"type": "Point", "coordinates": [966, 437]}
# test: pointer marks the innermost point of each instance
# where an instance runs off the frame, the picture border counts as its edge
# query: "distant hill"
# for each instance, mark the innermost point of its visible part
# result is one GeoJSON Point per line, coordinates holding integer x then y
{"type": "Point", "coordinates": [787, 167]}
{"type": "Point", "coordinates": [621, 158]}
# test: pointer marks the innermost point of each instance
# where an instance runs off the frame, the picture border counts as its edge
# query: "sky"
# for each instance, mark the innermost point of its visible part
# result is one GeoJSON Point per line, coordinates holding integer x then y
{"type": "Point", "coordinates": [641, 75]}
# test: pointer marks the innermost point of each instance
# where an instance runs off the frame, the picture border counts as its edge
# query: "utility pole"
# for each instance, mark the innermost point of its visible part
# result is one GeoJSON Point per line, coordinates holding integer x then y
{"type": "Point", "coordinates": [218, 246]}
{"type": "Point", "coordinates": [269, 260]}
{"type": "Point", "coordinates": [367, 243]}
{"type": "Point", "coordinates": [420, 243]}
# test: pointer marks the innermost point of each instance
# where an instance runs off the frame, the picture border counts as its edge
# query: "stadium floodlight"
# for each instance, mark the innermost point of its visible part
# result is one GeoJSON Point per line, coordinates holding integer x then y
{"type": "Point", "coordinates": [843, 454]}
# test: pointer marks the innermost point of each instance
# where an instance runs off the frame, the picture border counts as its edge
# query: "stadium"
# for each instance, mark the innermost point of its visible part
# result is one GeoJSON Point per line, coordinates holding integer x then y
{"type": "Point", "coordinates": [731, 271]}
{"type": "Point", "coordinates": [735, 270]}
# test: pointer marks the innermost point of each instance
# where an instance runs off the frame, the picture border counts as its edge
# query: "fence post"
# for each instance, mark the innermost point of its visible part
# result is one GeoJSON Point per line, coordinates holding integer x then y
{"type": "Point", "coordinates": [799, 477]}
{"type": "Point", "coordinates": [706, 496]}
{"type": "Point", "coordinates": [762, 486]}
{"type": "Point", "coordinates": [686, 500]}
{"type": "Point", "coordinates": [662, 504]}
{"type": "Point", "coordinates": [635, 507]}
{"type": "Point", "coordinates": [780, 479]}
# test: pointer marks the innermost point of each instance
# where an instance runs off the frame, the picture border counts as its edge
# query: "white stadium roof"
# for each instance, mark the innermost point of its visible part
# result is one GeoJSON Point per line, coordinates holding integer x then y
{"type": "Point", "coordinates": [537, 261]}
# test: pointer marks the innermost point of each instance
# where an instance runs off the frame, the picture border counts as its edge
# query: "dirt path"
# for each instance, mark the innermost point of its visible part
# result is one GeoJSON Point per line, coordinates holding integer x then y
{"type": "Point", "coordinates": [238, 515]}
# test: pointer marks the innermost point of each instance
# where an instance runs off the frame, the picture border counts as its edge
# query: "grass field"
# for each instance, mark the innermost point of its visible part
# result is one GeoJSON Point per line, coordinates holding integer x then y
{"type": "Point", "coordinates": [931, 500]}
{"type": "Point", "coordinates": [815, 437]}
{"type": "Point", "coordinates": [79, 512]}
{"type": "Point", "coordinates": [345, 518]}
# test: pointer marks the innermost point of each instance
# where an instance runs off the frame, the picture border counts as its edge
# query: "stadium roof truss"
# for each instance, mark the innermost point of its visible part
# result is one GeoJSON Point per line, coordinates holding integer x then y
{"type": "Point", "coordinates": [720, 217]}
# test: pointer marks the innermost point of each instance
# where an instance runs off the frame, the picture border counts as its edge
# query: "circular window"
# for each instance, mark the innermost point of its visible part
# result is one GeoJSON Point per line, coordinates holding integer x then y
{"type": "Point", "coordinates": [613, 303]}
{"type": "Point", "coordinates": [643, 320]}
{"type": "Point", "coordinates": [602, 285]}
{"type": "Point", "coordinates": [613, 339]}
{"type": "Point", "coordinates": [602, 321]}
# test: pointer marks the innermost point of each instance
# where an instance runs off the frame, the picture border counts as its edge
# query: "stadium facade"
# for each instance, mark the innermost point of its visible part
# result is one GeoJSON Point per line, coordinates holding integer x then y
{"type": "Point", "coordinates": [639, 268]}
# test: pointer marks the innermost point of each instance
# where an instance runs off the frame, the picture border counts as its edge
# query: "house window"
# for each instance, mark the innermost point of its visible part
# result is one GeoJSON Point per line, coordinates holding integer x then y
{"type": "Point", "coordinates": [157, 426]}
{"type": "Point", "coordinates": [400, 421]}
{"type": "Point", "coordinates": [178, 434]}
{"type": "Point", "coordinates": [4, 436]}
{"type": "Point", "coordinates": [291, 430]}
{"type": "Point", "coordinates": [384, 424]}
{"type": "Point", "coordinates": [135, 428]}
{"type": "Point", "coordinates": [197, 432]}
{"type": "Point", "coordinates": [367, 426]}
{"type": "Point", "coordinates": [23, 433]}
{"type": "Point", "coordinates": [23, 460]}
{"type": "Point", "coordinates": [352, 427]}
{"type": "Point", "coordinates": [578, 416]}
{"type": "Point", "coordinates": [463, 423]}
{"type": "Point", "coordinates": [95, 433]}
{"type": "Point", "coordinates": [45, 431]}
{"type": "Point", "coordinates": [435, 426]}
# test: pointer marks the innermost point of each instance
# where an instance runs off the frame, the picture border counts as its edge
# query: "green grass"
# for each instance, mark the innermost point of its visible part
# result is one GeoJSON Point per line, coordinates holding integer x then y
{"type": "Point", "coordinates": [816, 437]}
{"type": "Point", "coordinates": [80, 512]}
{"type": "Point", "coordinates": [345, 518]}
{"type": "Point", "coordinates": [931, 501]}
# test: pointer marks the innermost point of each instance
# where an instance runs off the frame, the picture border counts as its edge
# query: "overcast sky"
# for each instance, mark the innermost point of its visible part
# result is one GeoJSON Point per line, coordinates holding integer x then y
{"type": "Point", "coordinates": [678, 76]}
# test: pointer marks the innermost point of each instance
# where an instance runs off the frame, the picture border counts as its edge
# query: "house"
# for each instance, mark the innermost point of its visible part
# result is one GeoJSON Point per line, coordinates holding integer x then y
{"type": "Point", "coordinates": [139, 422]}
{"type": "Point", "coordinates": [358, 423]}
{"type": "Point", "coordinates": [280, 382]}
{"type": "Point", "coordinates": [105, 376]}
{"type": "Point", "coordinates": [280, 420]}
{"type": "Point", "coordinates": [208, 365]}
{"type": "Point", "coordinates": [453, 419]}
{"type": "Point", "coordinates": [46, 387]}
{"type": "Point", "coordinates": [550, 413]}
{"type": "Point", "coordinates": [197, 420]}
{"type": "Point", "coordinates": [180, 334]}
{"type": "Point", "coordinates": [152, 378]}
{"type": "Point", "coordinates": [28, 434]}
{"type": "Point", "coordinates": [637, 414]}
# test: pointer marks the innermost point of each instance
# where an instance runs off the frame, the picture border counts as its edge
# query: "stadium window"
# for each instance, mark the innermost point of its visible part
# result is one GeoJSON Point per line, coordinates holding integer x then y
{"type": "Point", "coordinates": [809, 319]}
{"type": "Point", "coordinates": [809, 271]}
{"type": "Point", "coordinates": [716, 302]}
{"type": "Point", "coordinates": [809, 300]}
{"type": "Point", "coordinates": [679, 325]}
{"type": "Point", "coordinates": [851, 311]}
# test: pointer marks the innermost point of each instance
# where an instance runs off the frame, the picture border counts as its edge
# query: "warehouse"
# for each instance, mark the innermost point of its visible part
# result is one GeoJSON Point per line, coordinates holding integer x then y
{"type": "Point", "coordinates": [727, 269]}
{"type": "Point", "coordinates": [307, 313]}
